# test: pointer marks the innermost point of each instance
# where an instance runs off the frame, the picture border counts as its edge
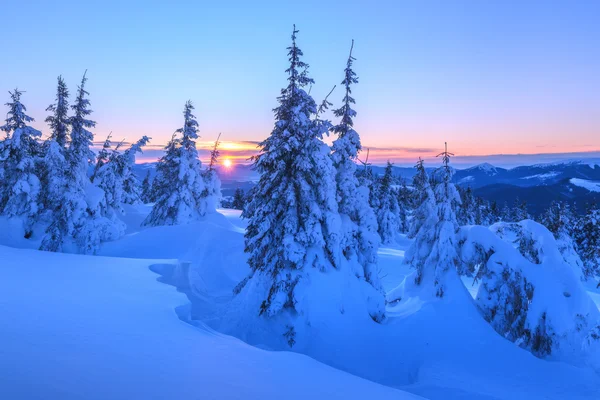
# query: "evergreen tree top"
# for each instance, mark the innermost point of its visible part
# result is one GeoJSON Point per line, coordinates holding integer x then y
{"type": "Point", "coordinates": [81, 108]}
{"type": "Point", "coordinates": [16, 117]}
{"type": "Point", "coordinates": [298, 70]}
{"type": "Point", "coordinates": [386, 180]}
{"type": "Point", "coordinates": [292, 96]}
{"type": "Point", "coordinates": [447, 171]}
{"type": "Point", "coordinates": [135, 148]}
{"type": "Point", "coordinates": [345, 111]}
{"type": "Point", "coordinates": [421, 179]}
{"type": "Point", "coordinates": [214, 154]}
{"type": "Point", "coordinates": [59, 120]}
{"type": "Point", "coordinates": [189, 131]}
{"type": "Point", "coordinates": [294, 117]}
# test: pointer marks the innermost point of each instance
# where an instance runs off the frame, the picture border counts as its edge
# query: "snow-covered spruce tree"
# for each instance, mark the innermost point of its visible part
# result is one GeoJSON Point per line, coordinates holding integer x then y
{"type": "Point", "coordinates": [180, 186]}
{"type": "Point", "coordinates": [212, 183]}
{"type": "Point", "coordinates": [109, 176]}
{"type": "Point", "coordinates": [519, 212]}
{"type": "Point", "coordinates": [102, 157]}
{"type": "Point", "coordinates": [434, 252]}
{"type": "Point", "coordinates": [58, 120]}
{"type": "Point", "coordinates": [166, 170]}
{"type": "Point", "coordinates": [360, 239]}
{"type": "Point", "coordinates": [423, 201]}
{"type": "Point", "coordinates": [494, 212]}
{"type": "Point", "coordinates": [238, 199]}
{"type": "Point", "coordinates": [20, 187]}
{"type": "Point", "coordinates": [481, 212]}
{"type": "Point", "coordinates": [587, 238]}
{"type": "Point", "coordinates": [55, 157]}
{"type": "Point", "coordinates": [387, 210]}
{"type": "Point", "coordinates": [132, 189]}
{"type": "Point", "coordinates": [506, 214]}
{"type": "Point", "coordinates": [299, 278]}
{"type": "Point", "coordinates": [70, 216]}
{"type": "Point", "coordinates": [80, 223]}
{"type": "Point", "coordinates": [467, 210]}
{"type": "Point", "coordinates": [146, 195]}
{"type": "Point", "coordinates": [405, 206]}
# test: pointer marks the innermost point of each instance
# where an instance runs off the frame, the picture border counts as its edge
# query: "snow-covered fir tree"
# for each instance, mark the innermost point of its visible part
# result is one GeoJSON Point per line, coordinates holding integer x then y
{"type": "Point", "coordinates": [294, 229]}
{"type": "Point", "coordinates": [360, 239]}
{"type": "Point", "coordinates": [80, 223]}
{"type": "Point", "coordinates": [468, 209]}
{"type": "Point", "coordinates": [181, 195]}
{"type": "Point", "coordinates": [146, 195]}
{"type": "Point", "coordinates": [519, 211]}
{"type": "Point", "coordinates": [238, 199]}
{"type": "Point", "coordinates": [166, 170]}
{"type": "Point", "coordinates": [587, 237]}
{"type": "Point", "coordinates": [405, 206]}
{"type": "Point", "coordinates": [109, 176]}
{"type": "Point", "coordinates": [132, 189]}
{"type": "Point", "coordinates": [506, 214]}
{"type": "Point", "coordinates": [494, 212]}
{"type": "Point", "coordinates": [212, 183]}
{"type": "Point", "coordinates": [434, 254]}
{"type": "Point", "coordinates": [55, 157]}
{"type": "Point", "coordinates": [102, 157]}
{"type": "Point", "coordinates": [423, 200]}
{"type": "Point", "coordinates": [58, 120]}
{"type": "Point", "coordinates": [481, 212]}
{"type": "Point", "coordinates": [386, 207]}
{"type": "Point", "coordinates": [20, 185]}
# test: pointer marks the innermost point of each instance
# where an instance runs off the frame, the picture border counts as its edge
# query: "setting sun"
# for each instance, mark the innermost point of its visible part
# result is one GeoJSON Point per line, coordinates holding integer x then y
{"type": "Point", "coordinates": [227, 163]}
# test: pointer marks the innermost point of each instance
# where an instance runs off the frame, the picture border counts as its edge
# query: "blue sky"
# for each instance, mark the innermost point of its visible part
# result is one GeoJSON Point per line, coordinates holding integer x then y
{"type": "Point", "coordinates": [489, 77]}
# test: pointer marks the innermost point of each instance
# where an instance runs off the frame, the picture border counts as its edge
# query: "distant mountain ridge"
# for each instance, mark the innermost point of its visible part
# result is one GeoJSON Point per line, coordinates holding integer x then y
{"type": "Point", "coordinates": [574, 181]}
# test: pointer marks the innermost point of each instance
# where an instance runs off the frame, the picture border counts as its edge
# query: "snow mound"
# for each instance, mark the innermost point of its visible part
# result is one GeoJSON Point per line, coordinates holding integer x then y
{"type": "Point", "coordinates": [530, 294]}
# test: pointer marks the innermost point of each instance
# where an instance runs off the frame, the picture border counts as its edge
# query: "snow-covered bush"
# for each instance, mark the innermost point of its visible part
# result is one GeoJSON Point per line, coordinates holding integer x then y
{"type": "Point", "coordinates": [529, 293]}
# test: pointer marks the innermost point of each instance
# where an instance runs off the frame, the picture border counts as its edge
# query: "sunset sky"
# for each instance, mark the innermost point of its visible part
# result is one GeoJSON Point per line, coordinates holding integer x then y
{"type": "Point", "coordinates": [489, 77]}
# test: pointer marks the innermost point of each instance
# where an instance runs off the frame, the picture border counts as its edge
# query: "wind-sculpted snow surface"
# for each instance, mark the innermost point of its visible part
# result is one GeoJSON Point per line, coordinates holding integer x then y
{"type": "Point", "coordinates": [83, 327]}
{"type": "Point", "coordinates": [530, 294]}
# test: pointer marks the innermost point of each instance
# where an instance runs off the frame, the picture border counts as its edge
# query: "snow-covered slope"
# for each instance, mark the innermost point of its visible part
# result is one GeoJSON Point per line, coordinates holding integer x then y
{"type": "Point", "coordinates": [82, 327]}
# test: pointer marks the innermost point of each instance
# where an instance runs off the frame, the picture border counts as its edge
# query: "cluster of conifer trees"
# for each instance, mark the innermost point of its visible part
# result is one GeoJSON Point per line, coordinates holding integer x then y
{"type": "Point", "coordinates": [314, 216]}
{"type": "Point", "coordinates": [72, 198]}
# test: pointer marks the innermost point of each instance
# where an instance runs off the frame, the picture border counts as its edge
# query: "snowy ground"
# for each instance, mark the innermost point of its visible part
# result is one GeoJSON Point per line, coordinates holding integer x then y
{"type": "Point", "coordinates": [83, 327]}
